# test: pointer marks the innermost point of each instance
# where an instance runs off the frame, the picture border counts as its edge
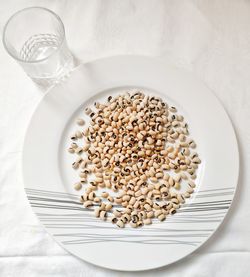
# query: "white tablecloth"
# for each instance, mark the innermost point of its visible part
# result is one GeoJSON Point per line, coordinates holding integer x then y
{"type": "Point", "coordinates": [211, 38]}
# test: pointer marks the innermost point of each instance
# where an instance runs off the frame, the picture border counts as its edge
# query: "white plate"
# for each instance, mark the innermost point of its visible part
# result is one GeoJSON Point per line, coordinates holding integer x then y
{"type": "Point", "coordinates": [48, 176]}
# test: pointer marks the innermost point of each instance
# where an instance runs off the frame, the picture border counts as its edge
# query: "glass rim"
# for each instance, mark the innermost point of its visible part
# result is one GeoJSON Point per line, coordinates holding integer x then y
{"type": "Point", "coordinates": [17, 13]}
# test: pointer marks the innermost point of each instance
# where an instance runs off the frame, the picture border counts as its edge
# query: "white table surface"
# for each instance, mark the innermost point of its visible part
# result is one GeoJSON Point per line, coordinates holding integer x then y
{"type": "Point", "coordinates": [211, 38]}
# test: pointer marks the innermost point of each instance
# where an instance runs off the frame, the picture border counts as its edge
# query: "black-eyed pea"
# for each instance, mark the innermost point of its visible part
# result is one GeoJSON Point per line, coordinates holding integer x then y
{"type": "Point", "coordinates": [166, 177]}
{"type": "Point", "coordinates": [108, 207]}
{"type": "Point", "coordinates": [97, 200]}
{"type": "Point", "coordinates": [88, 204]}
{"type": "Point", "coordinates": [191, 184]}
{"type": "Point", "coordinates": [78, 150]}
{"type": "Point", "coordinates": [138, 193]}
{"type": "Point", "coordinates": [177, 186]}
{"type": "Point", "coordinates": [153, 179]}
{"type": "Point", "coordinates": [158, 212]}
{"type": "Point", "coordinates": [193, 176]}
{"type": "Point", "coordinates": [127, 211]}
{"type": "Point", "coordinates": [133, 224]}
{"type": "Point", "coordinates": [181, 198]}
{"type": "Point", "coordinates": [190, 190]}
{"type": "Point", "coordinates": [150, 214]}
{"type": "Point", "coordinates": [172, 211]}
{"type": "Point", "coordinates": [182, 137]}
{"type": "Point", "coordinates": [85, 197]}
{"type": "Point", "coordinates": [92, 195]}
{"type": "Point", "coordinates": [88, 111]}
{"type": "Point", "coordinates": [156, 192]}
{"type": "Point", "coordinates": [143, 215]}
{"type": "Point", "coordinates": [80, 121]}
{"type": "Point", "coordinates": [105, 194]}
{"type": "Point", "coordinates": [83, 164]}
{"type": "Point", "coordinates": [147, 221]}
{"type": "Point", "coordinates": [118, 200]}
{"type": "Point", "coordinates": [103, 215]}
{"type": "Point", "coordinates": [73, 145]}
{"type": "Point", "coordinates": [79, 160]}
{"type": "Point", "coordinates": [82, 199]}
{"type": "Point", "coordinates": [147, 207]}
{"type": "Point", "coordinates": [126, 218]}
{"type": "Point", "coordinates": [97, 212]}
{"type": "Point", "coordinates": [126, 198]}
{"type": "Point", "coordinates": [77, 186]}
{"type": "Point", "coordinates": [83, 180]}
{"type": "Point", "coordinates": [78, 134]}
{"type": "Point", "coordinates": [120, 223]}
{"type": "Point", "coordinates": [149, 201]}
{"type": "Point", "coordinates": [117, 213]}
{"type": "Point", "coordinates": [192, 144]}
{"type": "Point", "coordinates": [125, 204]}
{"type": "Point", "coordinates": [176, 206]}
{"type": "Point", "coordinates": [183, 176]}
{"type": "Point", "coordinates": [139, 223]}
{"type": "Point", "coordinates": [110, 199]}
{"type": "Point", "coordinates": [150, 194]}
{"type": "Point", "coordinates": [132, 200]}
{"type": "Point", "coordinates": [99, 180]}
{"type": "Point", "coordinates": [102, 206]}
{"type": "Point", "coordinates": [164, 190]}
{"type": "Point", "coordinates": [171, 181]}
{"type": "Point", "coordinates": [114, 220]}
{"type": "Point", "coordinates": [161, 217]}
{"type": "Point", "coordinates": [71, 150]}
{"type": "Point", "coordinates": [75, 165]}
{"type": "Point", "coordinates": [136, 205]}
{"type": "Point", "coordinates": [82, 174]}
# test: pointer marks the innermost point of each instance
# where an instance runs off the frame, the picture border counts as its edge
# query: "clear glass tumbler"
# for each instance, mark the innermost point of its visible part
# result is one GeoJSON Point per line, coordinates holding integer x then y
{"type": "Point", "coordinates": [35, 38]}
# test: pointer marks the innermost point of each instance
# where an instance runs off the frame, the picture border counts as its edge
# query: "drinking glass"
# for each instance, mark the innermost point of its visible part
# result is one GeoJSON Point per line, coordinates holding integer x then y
{"type": "Point", "coordinates": [35, 38]}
